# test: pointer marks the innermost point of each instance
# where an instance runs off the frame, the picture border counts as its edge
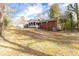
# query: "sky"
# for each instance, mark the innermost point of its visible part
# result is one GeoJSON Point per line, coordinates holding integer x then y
{"type": "Point", "coordinates": [31, 10]}
{"type": "Point", "coordinates": [28, 9]}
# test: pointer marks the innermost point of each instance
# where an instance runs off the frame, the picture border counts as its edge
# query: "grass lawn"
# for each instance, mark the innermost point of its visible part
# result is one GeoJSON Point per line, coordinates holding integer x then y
{"type": "Point", "coordinates": [38, 43]}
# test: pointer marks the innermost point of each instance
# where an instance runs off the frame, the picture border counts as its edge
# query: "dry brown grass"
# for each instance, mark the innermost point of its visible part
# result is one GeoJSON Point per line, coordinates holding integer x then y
{"type": "Point", "coordinates": [38, 42]}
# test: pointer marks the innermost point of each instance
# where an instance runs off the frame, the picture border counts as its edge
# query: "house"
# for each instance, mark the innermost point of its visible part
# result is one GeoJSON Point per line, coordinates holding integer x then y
{"type": "Point", "coordinates": [33, 23]}
{"type": "Point", "coordinates": [50, 24]}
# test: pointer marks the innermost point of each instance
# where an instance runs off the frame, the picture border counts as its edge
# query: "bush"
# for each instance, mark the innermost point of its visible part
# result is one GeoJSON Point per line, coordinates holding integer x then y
{"type": "Point", "coordinates": [66, 24]}
{"type": "Point", "coordinates": [6, 22]}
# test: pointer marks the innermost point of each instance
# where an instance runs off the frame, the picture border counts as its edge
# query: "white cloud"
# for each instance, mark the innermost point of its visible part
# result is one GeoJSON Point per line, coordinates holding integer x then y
{"type": "Point", "coordinates": [31, 10]}
{"type": "Point", "coordinates": [34, 9]}
{"type": "Point", "coordinates": [66, 4]}
{"type": "Point", "coordinates": [50, 4]}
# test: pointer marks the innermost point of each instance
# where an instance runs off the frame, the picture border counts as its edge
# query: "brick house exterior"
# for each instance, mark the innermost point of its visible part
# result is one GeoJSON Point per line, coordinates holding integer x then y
{"type": "Point", "coordinates": [50, 25]}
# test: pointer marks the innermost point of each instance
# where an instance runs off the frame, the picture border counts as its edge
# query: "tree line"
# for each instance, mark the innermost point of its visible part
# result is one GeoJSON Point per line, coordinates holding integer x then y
{"type": "Point", "coordinates": [69, 21]}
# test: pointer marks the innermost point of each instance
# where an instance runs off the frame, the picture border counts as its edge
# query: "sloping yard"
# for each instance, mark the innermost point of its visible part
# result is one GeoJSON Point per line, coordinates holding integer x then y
{"type": "Point", "coordinates": [28, 42]}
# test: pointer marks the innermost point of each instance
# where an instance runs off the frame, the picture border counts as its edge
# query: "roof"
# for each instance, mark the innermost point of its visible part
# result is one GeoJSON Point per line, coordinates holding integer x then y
{"type": "Point", "coordinates": [34, 20]}
{"type": "Point", "coordinates": [52, 19]}
{"type": "Point", "coordinates": [42, 20]}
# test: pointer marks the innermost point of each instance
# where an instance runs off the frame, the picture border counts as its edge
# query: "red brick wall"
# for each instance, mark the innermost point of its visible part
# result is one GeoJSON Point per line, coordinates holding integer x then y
{"type": "Point", "coordinates": [43, 25]}
{"type": "Point", "coordinates": [49, 25]}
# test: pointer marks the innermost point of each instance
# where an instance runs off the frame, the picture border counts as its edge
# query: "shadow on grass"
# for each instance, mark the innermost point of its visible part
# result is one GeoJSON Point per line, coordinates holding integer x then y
{"type": "Point", "coordinates": [60, 39]}
{"type": "Point", "coordinates": [24, 49]}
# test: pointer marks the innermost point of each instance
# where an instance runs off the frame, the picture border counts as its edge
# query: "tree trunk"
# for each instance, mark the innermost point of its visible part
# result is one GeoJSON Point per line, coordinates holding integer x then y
{"type": "Point", "coordinates": [77, 15]}
{"type": "Point", "coordinates": [1, 23]}
{"type": "Point", "coordinates": [1, 28]}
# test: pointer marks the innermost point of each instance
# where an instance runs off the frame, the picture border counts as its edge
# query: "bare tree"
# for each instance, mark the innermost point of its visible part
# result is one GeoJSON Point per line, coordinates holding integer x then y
{"type": "Point", "coordinates": [4, 10]}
